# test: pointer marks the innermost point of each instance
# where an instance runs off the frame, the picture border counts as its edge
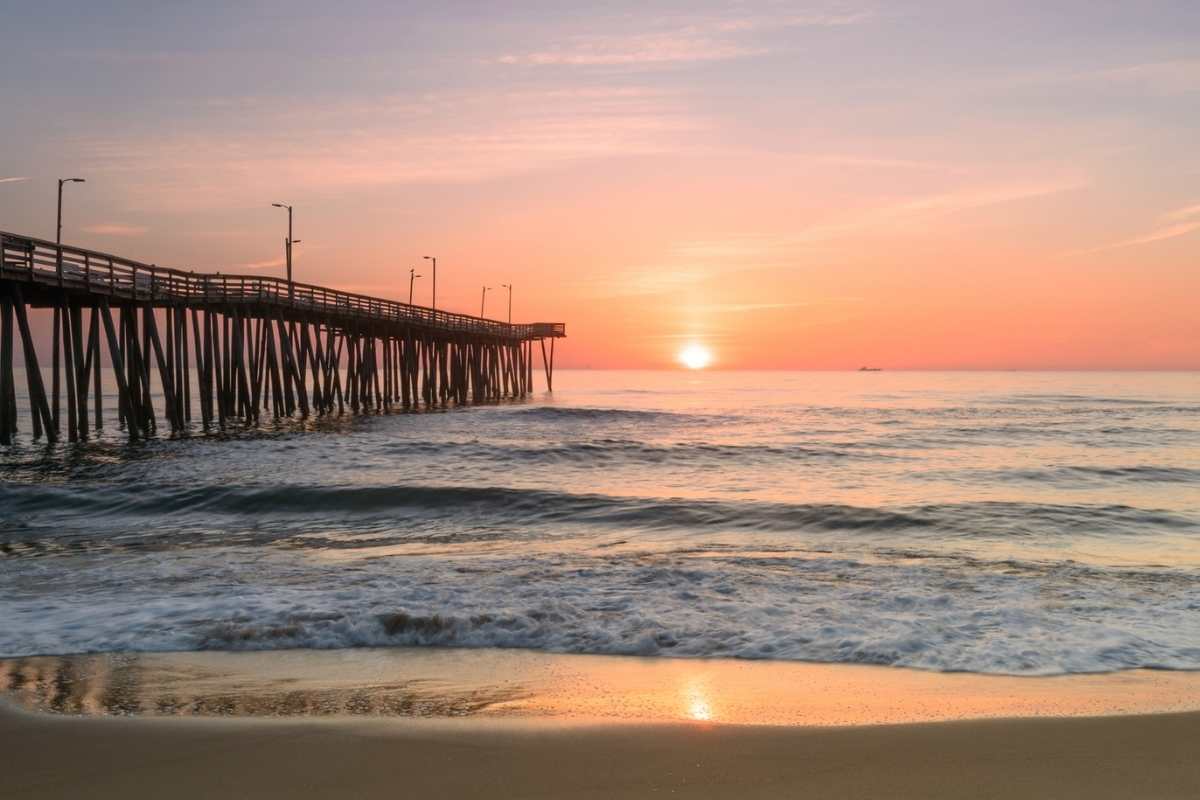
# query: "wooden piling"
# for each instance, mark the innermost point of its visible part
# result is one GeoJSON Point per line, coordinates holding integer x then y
{"type": "Point", "coordinates": [8, 417]}
{"type": "Point", "coordinates": [39, 405]}
{"type": "Point", "coordinates": [117, 357]}
{"type": "Point", "coordinates": [251, 348]}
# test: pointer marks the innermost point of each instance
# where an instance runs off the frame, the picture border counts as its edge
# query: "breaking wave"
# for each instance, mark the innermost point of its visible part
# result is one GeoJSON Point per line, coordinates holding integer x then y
{"type": "Point", "coordinates": [1007, 524]}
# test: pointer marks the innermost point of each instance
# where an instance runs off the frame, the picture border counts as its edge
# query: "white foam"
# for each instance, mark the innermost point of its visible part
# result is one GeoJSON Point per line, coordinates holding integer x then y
{"type": "Point", "coordinates": [941, 616]}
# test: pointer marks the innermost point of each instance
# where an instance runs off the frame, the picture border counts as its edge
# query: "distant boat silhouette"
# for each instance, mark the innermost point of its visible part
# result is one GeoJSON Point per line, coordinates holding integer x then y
{"type": "Point", "coordinates": [870, 369]}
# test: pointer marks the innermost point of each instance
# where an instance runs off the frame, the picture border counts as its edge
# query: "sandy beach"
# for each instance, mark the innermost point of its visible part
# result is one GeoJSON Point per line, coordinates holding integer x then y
{"type": "Point", "coordinates": [1111, 757]}
{"type": "Point", "coordinates": [567, 400]}
{"type": "Point", "coordinates": [489, 723]}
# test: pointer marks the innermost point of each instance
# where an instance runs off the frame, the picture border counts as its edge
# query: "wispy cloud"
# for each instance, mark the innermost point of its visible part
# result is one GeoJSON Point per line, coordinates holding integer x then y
{"type": "Point", "coordinates": [116, 229]}
{"type": "Point", "coordinates": [883, 163]}
{"type": "Point", "coordinates": [1187, 212]}
{"type": "Point", "coordinates": [133, 56]}
{"type": "Point", "coordinates": [268, 264]}
{"type": "Point", "coordinates": [456, 137]}
{"type": "Point", "coordinates": [1156, 235]}
{"type": "Point", "coordinates": [911, 210]}
{"type": "Point", "coordinates": [1159, 77]}
{"type": "Point", "coordinates": [760, 22]}
{"type": "Point", "coordinates": [710, 39]}
{"type": "Point", "coordinates": [644, 49]}
{"type": "Point", "coordinates": [694, 261]}
{"type": "Point", "coordinates": [743, 308]}
{"type": "Point", "coordinates": [13, 180]}
{"type": "Point", "coordinates": [1155, 78]}
{"type": "Point", "coordinates": [909, 213]}
{"type": "Point", "coordinates": [1172, 224]}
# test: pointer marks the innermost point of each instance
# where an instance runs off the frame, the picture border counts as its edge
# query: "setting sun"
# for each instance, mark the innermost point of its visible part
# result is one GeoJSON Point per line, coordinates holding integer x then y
{"type": "Point", "coordinates": [695, 356]}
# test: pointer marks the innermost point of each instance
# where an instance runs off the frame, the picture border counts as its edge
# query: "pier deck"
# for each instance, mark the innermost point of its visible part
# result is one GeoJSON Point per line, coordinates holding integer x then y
{"type": "Point", "coordinates": [258, 344]}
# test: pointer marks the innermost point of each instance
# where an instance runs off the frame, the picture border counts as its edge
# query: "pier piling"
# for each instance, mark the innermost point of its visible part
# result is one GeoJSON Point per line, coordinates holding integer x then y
{"type": "Point", "coordinates": [257, 345]}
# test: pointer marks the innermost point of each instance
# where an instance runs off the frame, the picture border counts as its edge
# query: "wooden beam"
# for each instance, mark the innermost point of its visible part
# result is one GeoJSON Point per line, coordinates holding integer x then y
{"type": "Point", "coordinates": [117, 357]}
{"type": "Point", "coordinates": [39, 405]}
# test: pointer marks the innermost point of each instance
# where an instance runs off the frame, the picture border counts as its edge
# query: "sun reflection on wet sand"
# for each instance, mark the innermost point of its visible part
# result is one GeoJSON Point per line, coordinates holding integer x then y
{"type": "Point", "coordinates": [527, 685]}
{"type": "Point", "coordinates": [698, 706]}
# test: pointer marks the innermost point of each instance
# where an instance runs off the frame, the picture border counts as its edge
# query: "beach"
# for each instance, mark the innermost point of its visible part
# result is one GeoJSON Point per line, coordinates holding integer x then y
{"type": "Point", "coordinates": [757, 399]}
{"type": "Point", "coordinates": [1092, 758]}
{"type": "Point", "coordinates": [950, 585]}
{"type": "Point", "coordinates": [460, 723]}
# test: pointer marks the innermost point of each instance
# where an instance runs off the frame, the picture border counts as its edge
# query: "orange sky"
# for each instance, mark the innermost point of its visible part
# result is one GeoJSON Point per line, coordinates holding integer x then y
{"type": "Point", "coordinates": [795, 186]}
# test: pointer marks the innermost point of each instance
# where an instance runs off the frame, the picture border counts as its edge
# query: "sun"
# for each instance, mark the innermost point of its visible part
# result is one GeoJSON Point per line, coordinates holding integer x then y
{"type": "Point", "coordinates": [695, 356]}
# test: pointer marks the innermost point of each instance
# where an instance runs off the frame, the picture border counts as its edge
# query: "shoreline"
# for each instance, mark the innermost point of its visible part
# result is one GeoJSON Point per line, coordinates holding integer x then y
{"type": "Point", "coordinates": [479, 723]}
{"type": "Point", "coordinates": [497, 684]}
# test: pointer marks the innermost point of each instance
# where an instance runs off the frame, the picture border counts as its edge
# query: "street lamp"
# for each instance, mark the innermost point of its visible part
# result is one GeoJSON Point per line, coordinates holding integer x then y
{"type": "Point", "coordinates": [61, 181]}
{"type": "Point", "coordinates": [287, 246]}
{"type": "Point", "coordinates": [509, 287]}
{"type": "Point", "coordinates": [483, 299]}
{"type": "Point", "coordinates": [57, 312]}
{"type": "Point", "coordinates": [412, 276]}
{"type": "Point", "coordinates": [434, 260]}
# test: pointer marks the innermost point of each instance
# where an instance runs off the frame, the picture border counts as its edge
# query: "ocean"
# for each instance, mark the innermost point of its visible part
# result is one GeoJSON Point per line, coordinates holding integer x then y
{"type": "Point", "coordinates": [1001, 523]}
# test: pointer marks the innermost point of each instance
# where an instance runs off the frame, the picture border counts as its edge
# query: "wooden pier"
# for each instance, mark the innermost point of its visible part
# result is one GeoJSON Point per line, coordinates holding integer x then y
{"type": "Point", "coordinates": [240, 347]}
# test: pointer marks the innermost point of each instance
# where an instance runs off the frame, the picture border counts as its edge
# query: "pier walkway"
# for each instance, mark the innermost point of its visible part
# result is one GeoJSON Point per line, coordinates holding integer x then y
{"type": "Point", "coordinates": [258, 345]}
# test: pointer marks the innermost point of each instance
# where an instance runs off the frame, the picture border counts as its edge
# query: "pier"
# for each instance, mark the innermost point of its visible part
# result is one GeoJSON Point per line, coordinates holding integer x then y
{"type": "Point", "coordinates": [240, 347]}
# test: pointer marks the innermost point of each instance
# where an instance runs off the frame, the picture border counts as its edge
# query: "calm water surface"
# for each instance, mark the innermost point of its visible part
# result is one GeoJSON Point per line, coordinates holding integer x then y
{"type": "Point", "coordinates": [986, 522]}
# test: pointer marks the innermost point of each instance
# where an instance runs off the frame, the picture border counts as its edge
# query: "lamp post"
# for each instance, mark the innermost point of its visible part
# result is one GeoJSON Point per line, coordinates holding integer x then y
{"type": "Point", "coordinates": [61, 181]}
{"type": "Point", "coordinates": [287, 246]}
{"type": "Point", "coordinates": [483, 299]}
{"type": "Point", "coordinates": [434, 260]}
{"type": "Point", "coordinates": [509, 287]}
{"type": "Point", "coordinates": [57, 311]}
{"type": "Point", "coordinates": [412, 276]}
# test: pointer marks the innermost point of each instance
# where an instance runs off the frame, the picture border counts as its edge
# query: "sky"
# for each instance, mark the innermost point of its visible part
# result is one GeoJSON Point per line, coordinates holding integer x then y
{"type": "Point", "coordinates": [910, 185]}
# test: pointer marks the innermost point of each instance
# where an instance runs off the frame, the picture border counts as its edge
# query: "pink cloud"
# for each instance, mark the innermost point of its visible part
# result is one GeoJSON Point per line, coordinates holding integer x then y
{"type": "Point", "coordinates": [616, 51]}
{"type": "Point", "coordinates": [698, 40]}
{"type": "Point", "coordinates": [1180, 225]}
{"type": "Point", "coordinates": [1183, 213]}
{"type": "Point", "coordinates": [116, 229]}
{"type": "Point", "coordinates": [456, 137]}
{"type": "Point", "coordinates": [268, 264]}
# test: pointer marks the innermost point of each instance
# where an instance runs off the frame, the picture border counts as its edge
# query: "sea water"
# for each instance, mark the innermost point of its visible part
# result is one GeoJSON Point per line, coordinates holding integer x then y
{"type": "Point", "coordinates": [1019, 523]}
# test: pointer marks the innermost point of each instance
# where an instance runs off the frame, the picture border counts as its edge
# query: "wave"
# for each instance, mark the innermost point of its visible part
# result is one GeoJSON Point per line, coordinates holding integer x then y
{"type": "Point", "coordinates": [589, 414]}
{"type": "Point", "coordinates": [55, 508]}
{"type": "Point", "coordinates": [91, 504]}
{"type": "Point", "coordinates": [1099, 400]}
{"type": "Point", "coordinates": [1133, 473]}
{"type": "Point", "coordinates": [906, 645]}
{"type": "Point", "coordinates": [579, 415]}
{"type": "Point", "coordinates": [598, 451]}
{"type": "Point", "coordinates": [1073, 475]}
{"type": "Point", "coordinates": [1023, 618]}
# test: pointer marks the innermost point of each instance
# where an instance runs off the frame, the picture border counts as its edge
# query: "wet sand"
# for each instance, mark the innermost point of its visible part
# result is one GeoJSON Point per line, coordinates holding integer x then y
{"type": "Point", "coordinates": [500, 724]}
{"type": "Point", "coordinates": [1087, 758]}
{"type": "Point", "coordinates": [529, 685]}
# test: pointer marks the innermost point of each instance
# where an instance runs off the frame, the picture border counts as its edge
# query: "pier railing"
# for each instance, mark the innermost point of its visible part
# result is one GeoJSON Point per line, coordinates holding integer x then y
{"type": "Point", "coordinates": [74, 268]}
